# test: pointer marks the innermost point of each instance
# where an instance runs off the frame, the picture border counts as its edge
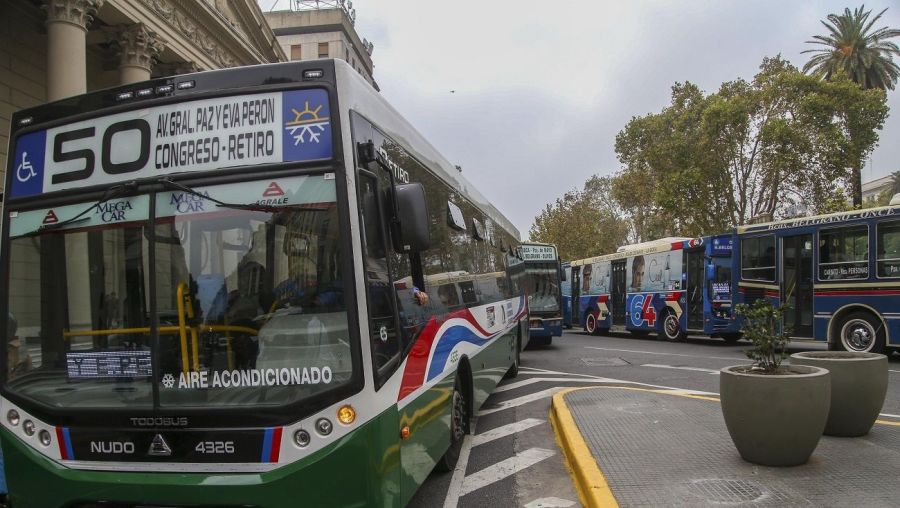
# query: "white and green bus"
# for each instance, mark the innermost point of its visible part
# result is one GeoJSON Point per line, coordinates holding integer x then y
{"type": "Point", "coordinates": [223, 289]}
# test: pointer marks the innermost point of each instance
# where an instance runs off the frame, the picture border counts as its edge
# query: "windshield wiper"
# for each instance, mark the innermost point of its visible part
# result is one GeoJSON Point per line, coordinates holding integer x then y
{"type": "Point", "coordinates": [254, 207]}
{"type": "Point", "coordinates": [111, 193]}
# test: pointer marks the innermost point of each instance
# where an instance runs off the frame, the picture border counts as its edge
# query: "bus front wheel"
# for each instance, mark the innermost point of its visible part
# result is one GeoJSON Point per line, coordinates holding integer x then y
{"type": "Point", "coordinates": [861, 332]}
{"type": "Point", "coordinates": [590, 324]}
{"type": "Point", "coordinates": [672, 328]}
{"type": "Point", "coordinates": [459, 427]}
{"type": "Point", "coordinates": [514, 368]}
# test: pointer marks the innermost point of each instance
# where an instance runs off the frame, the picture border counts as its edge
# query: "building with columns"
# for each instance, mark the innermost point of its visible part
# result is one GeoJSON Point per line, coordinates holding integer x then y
{"type": "Point", "coordinates": [323, 29]}
{"type": "Point", "coordinates": [52, 49]}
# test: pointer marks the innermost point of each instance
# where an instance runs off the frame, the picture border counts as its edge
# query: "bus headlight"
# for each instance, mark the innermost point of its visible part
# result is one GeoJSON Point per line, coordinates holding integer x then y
{"type": "Point", "coordinates": [44, 436]}
{"type": "Point", "coordinates": [12, 417]}
{"type": "Point", "coordinates": [324, 426]}
{"type": "Point", "coordinates": [301, 438]}
{"type": "Point", "coordinates": [28, 427]}
{"type": "Point", "coordinates": [346, 414]}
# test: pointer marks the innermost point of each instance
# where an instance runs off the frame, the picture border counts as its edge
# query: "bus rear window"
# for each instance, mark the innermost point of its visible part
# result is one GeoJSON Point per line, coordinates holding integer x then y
{"type": "Point", "coordinates": [844, 253]}
{"type": "Point", "coordinates": [758, 258]}
{"type": "Point", "coordinates": [888, 242]}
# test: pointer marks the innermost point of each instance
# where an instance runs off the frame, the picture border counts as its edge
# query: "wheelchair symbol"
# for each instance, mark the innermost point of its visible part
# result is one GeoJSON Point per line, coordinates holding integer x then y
{"type": "Point", "coordinates": [25, 171]}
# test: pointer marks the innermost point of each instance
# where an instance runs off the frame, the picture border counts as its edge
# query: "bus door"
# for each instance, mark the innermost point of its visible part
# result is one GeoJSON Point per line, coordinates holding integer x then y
{"type": "Point", "coordinates": [617, 293]}
{"type": "Point", "coordinates": [576, 295]}
{"type": "Point", "coordinates": [797, 283]}
{"type": "Point", "coordinates": [696, 272]}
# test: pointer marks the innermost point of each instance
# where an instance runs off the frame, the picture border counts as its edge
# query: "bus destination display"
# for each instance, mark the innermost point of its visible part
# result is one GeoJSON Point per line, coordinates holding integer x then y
{"type": "Point", "coordinates": [201, 135]}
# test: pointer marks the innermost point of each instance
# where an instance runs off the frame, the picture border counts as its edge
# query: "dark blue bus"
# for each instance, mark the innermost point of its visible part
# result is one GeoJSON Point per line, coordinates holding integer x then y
{"type": "Point", "coordinates": [838, 273]}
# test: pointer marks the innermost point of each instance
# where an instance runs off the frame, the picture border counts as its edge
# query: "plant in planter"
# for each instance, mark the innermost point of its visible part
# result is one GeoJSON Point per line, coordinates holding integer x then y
{"type": "Point", "coordinates": [775, 413]}
{"type": "Point", "coordinates": [858, 386]}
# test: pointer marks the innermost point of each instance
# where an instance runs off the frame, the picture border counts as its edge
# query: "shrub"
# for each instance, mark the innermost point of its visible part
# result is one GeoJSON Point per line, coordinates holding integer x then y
{"type": "Point", "coordinates": [762, 326]}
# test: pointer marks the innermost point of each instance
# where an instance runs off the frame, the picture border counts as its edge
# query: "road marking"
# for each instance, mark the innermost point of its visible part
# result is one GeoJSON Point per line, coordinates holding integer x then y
{"type": "Point", "coordinates": [545, 371]}
{"type": "Point", "coordinates": [504, 469]}
{"type": "Point", "coordinates": [526, 382]}
{"type": "Point", "coordinates": [518, 401]}
{"type": "Point", "coordinates": [666, 354]}
{"type": "Point", "coordinates": [505, 430]}
{"type": "Point", "coordinates": [697, 369]}
{"type": "Point", "coordinates": [459, 473]}
{"type": "Point", "coordinates": [550, 502]}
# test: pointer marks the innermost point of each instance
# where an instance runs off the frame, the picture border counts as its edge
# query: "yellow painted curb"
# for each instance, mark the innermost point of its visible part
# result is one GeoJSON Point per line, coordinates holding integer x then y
{"type": "Point", "coordinates": [586, 475]}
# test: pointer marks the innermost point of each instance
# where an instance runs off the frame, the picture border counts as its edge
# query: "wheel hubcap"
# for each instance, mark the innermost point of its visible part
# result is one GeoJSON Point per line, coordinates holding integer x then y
{"type": "Point", "coordinates": [858, 335]}
{"type": "Point", "coordinates": [671, 327]}
{"type": "Point", "coordinates": [591, 323]}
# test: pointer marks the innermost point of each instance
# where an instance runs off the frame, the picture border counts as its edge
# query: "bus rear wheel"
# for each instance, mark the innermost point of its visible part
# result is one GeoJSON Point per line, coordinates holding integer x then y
{"type": "Point", "coordinates": [672, 331]}
{"type": "Point", "coordinates": [459, 427]}
{"type": "Point", "coordinates": [861, 332]}
{"type": "Point", "coordinates": [590, 324]}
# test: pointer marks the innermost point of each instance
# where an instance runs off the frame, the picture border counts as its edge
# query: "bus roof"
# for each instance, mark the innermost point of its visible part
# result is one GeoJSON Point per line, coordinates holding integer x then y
{"type": "Point", "coordinates": [660, 245]}
{"type": "Point", "coordinates": [816, 220]}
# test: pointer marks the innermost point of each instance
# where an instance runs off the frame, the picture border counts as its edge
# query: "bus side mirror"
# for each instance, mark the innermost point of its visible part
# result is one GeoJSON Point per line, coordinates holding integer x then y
{"type": "Point", "coordinates": [411, 226]}
{"type": "Point", "coordinates": [562, 276]}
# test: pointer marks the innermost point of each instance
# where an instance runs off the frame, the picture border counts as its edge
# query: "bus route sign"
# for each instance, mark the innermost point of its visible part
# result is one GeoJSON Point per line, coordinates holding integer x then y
{"type": "Point", "coordinates": [538, 252]}
{"type": "Point", "coordinates": [200, 135]}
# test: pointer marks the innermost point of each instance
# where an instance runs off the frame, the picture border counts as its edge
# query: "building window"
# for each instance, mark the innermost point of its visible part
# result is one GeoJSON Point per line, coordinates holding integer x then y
{"type": "Point", "coordinates": [347, 55]}
{"type": "Point", "coordinates": [295, 52]}
{"type": "Point", "coordinates": [323, 50]}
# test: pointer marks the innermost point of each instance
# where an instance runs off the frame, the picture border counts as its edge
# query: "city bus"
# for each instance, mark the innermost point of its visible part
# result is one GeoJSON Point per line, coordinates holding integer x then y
{"type": "Point", "coordinates": [838, 275]}
{"type": "Point", "coordinates": [227, 285]}
{"type": "Point", "coordinates": [536, 267]}
{"type": "Point", "coordinates": [670, 286]}
{"type": "Point", "coordinates": [565, 286]}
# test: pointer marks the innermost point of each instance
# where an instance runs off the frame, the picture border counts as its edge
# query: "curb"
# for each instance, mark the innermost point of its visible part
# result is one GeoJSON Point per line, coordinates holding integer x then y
{"type": "Point", "coordinates": [586, 475]}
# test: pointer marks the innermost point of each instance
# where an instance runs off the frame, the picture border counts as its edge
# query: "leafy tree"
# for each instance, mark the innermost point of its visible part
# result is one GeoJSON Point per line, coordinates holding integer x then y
{"type": "Point", "coordinates": [853, 48]}
{"type": "Point", "coordinates": [582, 223]}
{"type": "Point", "coordinates": [707, 162]}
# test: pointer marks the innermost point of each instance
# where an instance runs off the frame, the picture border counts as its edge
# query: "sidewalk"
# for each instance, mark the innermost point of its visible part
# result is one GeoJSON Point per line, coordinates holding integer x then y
{"type": "Point", "coordinates": [667, 448]}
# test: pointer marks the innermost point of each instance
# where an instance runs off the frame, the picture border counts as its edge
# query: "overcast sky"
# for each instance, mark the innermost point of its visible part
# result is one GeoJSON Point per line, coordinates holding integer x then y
{"type": "Point", "coordinates": [528, 96]}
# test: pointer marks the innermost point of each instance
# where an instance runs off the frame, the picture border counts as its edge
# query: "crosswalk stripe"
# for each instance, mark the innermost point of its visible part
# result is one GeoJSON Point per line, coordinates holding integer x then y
{"type": "Point", "coordinates": [550, 502]}
{"type": "Point", "coordinates": [530, 381]}
{"type": "Point", "coordinates": [518, 401]}
{"type": "Point", "coordinates": [504, 469]}
{"type": "Point", "coordinates": [459, 474]}
{"type": "Point", "coordinates": [530, 370]}
{"type": "Point", "coordinates": [505, 430]}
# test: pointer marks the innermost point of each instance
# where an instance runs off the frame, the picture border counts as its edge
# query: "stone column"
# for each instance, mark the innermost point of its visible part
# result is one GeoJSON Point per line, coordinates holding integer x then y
{"type": "Point", "coordinates": [67, 22]}
{"type": "Point", "coordinates": [138, 46]}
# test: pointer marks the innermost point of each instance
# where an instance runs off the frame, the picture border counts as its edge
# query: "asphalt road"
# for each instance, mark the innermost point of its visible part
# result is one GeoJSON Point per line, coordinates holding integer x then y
{"type": "Point", "coordinates": [512, 459]}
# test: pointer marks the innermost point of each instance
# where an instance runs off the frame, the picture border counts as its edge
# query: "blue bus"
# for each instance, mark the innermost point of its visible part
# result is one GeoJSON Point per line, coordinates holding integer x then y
{"type": "Point", "coordinates": [538, 272]}
{"type": "Point", "coordinates": [838, 273]}
{"type": "Point", "coordinates": [565, 286]}
{"type": "Point", "coordinates": [670, 286]}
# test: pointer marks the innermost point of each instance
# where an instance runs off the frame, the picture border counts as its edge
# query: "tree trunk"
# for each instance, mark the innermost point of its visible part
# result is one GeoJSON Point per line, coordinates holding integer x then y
{"type": "Point", "coordinates": [856, 185]}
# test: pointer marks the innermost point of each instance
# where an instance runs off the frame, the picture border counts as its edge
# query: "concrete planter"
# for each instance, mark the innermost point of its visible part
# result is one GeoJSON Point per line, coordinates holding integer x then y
{"type": "Point", "coordinates": [775, 419]}
{"type": "Point", "coordinates": [858, 387]}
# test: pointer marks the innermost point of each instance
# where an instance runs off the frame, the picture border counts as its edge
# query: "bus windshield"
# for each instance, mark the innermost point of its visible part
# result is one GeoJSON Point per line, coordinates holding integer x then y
{"type": "Point", "coordinates": [248, 306]}
{"type": "Point", "coordinates": [542, 286]}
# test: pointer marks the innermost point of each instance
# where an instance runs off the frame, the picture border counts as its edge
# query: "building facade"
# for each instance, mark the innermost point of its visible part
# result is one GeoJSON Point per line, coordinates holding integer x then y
{"type": "Point", "coordinates": [873, 188]}
{"type": "Point", "coordinates": [324, 31]}
{"type": "Point", "coordinates": [52, 49]}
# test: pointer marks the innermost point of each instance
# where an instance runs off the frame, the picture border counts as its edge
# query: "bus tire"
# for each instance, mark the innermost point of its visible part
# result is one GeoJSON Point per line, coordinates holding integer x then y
{"type": "Point", "coordinates": [731, 338]}
{"type": "Point", "coordinates": [590, 324]}
{"type": "Point", "coordinates": [514, 368]}
{"type": "Point", "coordinates": [459, 427]}
{"type": "Point", "coordinates": [861, 331]}
{"type": "Point", "coordinates": [671, 328]}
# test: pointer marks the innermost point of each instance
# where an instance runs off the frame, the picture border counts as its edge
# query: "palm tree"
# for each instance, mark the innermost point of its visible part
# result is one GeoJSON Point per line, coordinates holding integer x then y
{"type": "Point", "coordinates": [852, 47]}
